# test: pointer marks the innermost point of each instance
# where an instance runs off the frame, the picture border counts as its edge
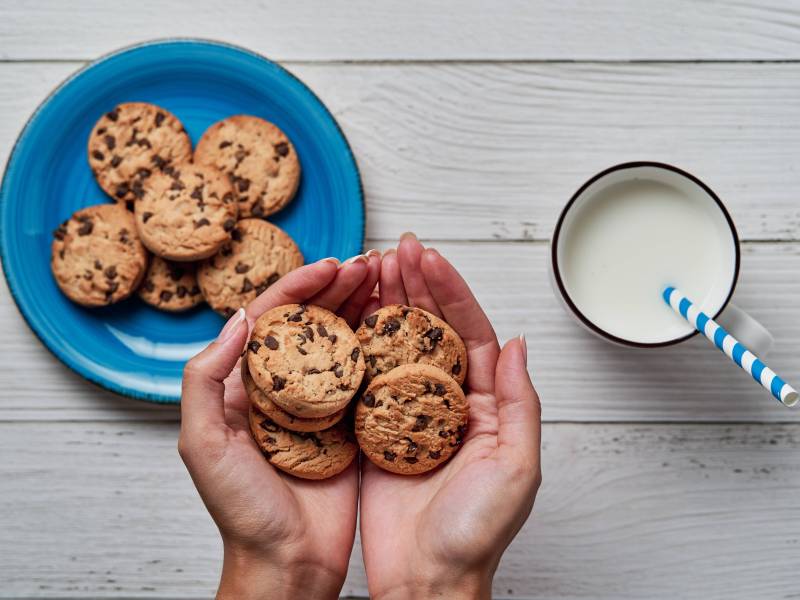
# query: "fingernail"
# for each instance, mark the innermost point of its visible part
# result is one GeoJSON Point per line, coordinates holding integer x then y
{"type": "Point", "coordinates": [408, 234]}
{"type": "Point", "coordinates": [230, 326]}
{"type": "Point", "coordinates": [389, 251]}
{"type": "Point", "coordinates": [373, 252]}
{"type": "Point", "coordinates": [523, 345]}
{"type": "Point", "coordinates": [330, 259]}
{"type": "Point", "coordinates": [355, 259]}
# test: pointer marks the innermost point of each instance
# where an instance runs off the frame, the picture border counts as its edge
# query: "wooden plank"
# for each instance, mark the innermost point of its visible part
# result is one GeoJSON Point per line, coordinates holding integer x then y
{"type": "Point", "coordinates": [494, 151]}
{"type": "Point", "coordinates": [579, 377]}
{"type": "Point", "coordinates": [415, 29]}
{"type": "Point", "coordinates": [626, 511]}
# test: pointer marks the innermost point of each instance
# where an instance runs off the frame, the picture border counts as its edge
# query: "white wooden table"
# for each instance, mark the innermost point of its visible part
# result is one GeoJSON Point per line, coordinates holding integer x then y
{"type": "Point", "coordinates": [666, 474]}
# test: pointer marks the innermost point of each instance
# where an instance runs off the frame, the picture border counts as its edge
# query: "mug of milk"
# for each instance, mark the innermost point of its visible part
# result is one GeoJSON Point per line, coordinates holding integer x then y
{"type": "Point", "coordinates": [634, 229]}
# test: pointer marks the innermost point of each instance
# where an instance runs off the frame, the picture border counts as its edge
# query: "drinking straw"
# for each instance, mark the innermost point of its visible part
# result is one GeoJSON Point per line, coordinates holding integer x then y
{"type": "Point", "coordinates": [734, 349]}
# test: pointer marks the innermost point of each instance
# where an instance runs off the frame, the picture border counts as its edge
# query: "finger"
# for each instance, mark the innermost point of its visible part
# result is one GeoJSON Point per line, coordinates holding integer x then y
{"type": "Point", "coordinates": [391, 281]}
{"type": "Point", "coordinates": [352, 308]}
{"type": "Point", "coordinates": [463, 313]}
{"type": "Point", "coordinates": [347, 280]}
{"type": "Point", "coordinates": [237, 404]}
{"type": "Point", "coordinates": [518, 409]}
{"type": "Point", "coordinates": [297, 286]}
{"type": "Point", "coordinates": [203, 376]}
{"type": "Point", "coordinates": [409, 254]}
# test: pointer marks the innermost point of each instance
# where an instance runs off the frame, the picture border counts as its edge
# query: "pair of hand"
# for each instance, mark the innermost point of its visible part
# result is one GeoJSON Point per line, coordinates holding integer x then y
{"type": "Point", "coordinates": [440, 534]}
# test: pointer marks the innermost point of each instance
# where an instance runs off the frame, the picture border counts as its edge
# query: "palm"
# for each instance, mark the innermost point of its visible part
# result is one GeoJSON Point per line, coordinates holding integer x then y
{"type": "Point", "coordinates": [458, 514]}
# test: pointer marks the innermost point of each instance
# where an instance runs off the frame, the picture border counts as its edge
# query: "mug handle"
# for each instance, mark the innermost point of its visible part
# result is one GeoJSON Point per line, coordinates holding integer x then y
{"type": "Point", "coordinates": [746, 329]}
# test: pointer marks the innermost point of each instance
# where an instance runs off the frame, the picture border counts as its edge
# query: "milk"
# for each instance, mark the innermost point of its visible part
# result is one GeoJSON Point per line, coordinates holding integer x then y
{"type": "Point", "coordinates": [621, 245]}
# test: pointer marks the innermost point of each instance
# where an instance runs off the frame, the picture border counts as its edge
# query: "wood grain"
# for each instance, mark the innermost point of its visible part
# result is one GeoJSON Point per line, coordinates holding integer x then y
{"type": "Point", "coordinates": [415, 29]}
{"type": "Point", "coordinates": [494, 151]}
{"type": "Point", "coordinates": [579, 377]}
{"type": "Point", "coordinates": [625, 511]}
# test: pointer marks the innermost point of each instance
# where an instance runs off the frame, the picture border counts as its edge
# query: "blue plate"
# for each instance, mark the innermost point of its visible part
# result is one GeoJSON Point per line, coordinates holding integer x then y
{"type": "Point", "coordinates": [131, 348]}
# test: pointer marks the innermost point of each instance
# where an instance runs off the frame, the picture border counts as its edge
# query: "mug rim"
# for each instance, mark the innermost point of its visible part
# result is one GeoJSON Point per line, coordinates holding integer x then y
{"type": "Point", "coordinates": [557, 233]}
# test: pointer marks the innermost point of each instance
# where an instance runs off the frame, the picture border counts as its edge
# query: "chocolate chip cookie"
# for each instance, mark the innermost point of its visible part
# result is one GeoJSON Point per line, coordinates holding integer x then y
{"type": "Point", "coordinates": [280, 416]}
{"type": "Point", "coordinates": [259, 159]}
{"type": "Point", "coordinates": [170, 286]}
{"type": "Point", "coordinates": [97, 258]}
{"type": "Point", "coordinates": [411, 419]}
{"type": "Point", "coordinates": [130, 143]}
{"type": "Point", "coordinates": [305, 359]}
{"type": "Point", "coordinates": [309, 455]}
{"type": "Point", "coordinates": [259, 254]}
{"type": "Point", "coordinates": [186, 214]}
{"type": "Point", "coordinates": [398, 335]}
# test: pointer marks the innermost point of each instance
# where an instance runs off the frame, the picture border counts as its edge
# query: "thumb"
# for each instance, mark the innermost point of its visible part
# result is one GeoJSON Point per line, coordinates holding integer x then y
{"type": "Point", "coordinates": [518, 409]}
{"type": "Point", "coordinates": [203, 375]}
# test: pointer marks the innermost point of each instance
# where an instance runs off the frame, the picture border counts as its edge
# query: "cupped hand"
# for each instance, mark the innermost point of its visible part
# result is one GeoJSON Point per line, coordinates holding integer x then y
{"type": "Point", "coordinates": [282, 536]}
{"type": "Point", "coordinates": [442, 534]}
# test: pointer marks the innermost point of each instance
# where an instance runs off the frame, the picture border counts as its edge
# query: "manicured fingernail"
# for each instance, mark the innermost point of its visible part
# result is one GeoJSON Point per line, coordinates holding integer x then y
{"type": "Point", "coordinates": [230, 326]}
{"type": "Point", "coordinates": [373, 252]}
{"type": "Point", "coordinates": [330, 259]}
{"type": "Point", "coordinates": [355, 259]}
{"type": "Point", "coordinates": [523, 345]}
{"type": "Point", "coordinates": [408, 234]}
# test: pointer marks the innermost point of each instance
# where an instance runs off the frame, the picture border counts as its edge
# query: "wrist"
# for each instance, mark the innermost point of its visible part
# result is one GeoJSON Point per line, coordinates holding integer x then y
{"type": "Point", "coordinates": [471, 585]}
{"type": "Point", "coordinates": [248, 577]}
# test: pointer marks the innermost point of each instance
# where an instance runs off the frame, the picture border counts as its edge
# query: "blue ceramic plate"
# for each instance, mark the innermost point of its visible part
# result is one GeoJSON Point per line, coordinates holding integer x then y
{"type": "Point", "coordinates": [131, 348]}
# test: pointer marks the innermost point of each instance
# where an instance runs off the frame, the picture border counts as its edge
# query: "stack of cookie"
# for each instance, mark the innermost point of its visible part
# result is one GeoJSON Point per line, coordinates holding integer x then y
{"type": "Point", "coordinates": [200, 215]}
{"type": "Point", "coordinates": [304, 365]}
{"type": "Point", "coordinates": [413, 414]}
{"type": "Point", "coordinates": [302, 368]}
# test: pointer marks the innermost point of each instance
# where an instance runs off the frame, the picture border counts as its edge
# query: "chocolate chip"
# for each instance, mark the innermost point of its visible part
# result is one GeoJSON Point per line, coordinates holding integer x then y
{"type": "Point", "coordinates": [277, 383]}
{"type": "Point", "coordinates": [372, 361]}
{"type": "Point", "coordinates": [145, 216]}
{"type": "Point", "coordinates": [176, 186]}
{"type": "Point", "coordinates": [309, 333]}
{"type": "Point", "coordinates": [86, 227]}
{"type": "Point", "coordinates": [88, 275]}
{"type": "Point", "coordinates": [165, 295]}
{"type": "Point", "coordinates": [224, 144]}
{"type": "Point", "coordinates": [434, 454]}
{"type": "Point", "coordinates": [443, 433]}
{"type": "Point", "coordinates": [236, 235]}
{"type": "Point", "coordinates": [243, 184]}
{"type": "Point", "coordinates": [456, 368]}
{"type": "Point", "coordinates": [410, 459]}
{"type": "Point", "coordinates": [421, 423]}
{"type": "Point", "coordinates": [113, 115]}
{"type": "Point", "coordinates": [354, 354]}
{"type": "Point", "coordinates": [110, 272]}
{"type": "Point", "coordinates": [98, 265]}
{"type": "Point", "coordinates": [412, 446]}
{"type": "Point", "coordinates": [201, 223]}
{"type": "Point", "coordinates": [115, 161]}
{"type": "Point", "coordinates": [122, 190]}
{"type": "Point", "coordinates": [148, 285]}
{"type": "Point", "coordinates": [158, 161]}
{"type": "Point", "coordinates": [253, 346]}
{"type": "Point", "coordinates": [391, 326]}
{"type": "Point", "coordinates": [268, 426]}
{"type": "Point", "coordinates": [98, 155]}
{"type": "Point", "coordinates": [60, 232]}
{"type": "Point", "coordinates": [247, 286]}
{"type": "Point", "coordinates": [144, 143]}
{"type": "Point", "coordinates": [197, 193]}
{"type": "Point", "coordinates": [389, 456]}
{"type": "Point", "coordinates": [313, 371]}
{"type": "Point", "coordinates": [242, 268]}
{"type": "Point", "coordinates": [302, 351]}
{"type": "Point", "coordinates": [226, 251]}
{"type": "Point", "coordinates": [371, 320]}
{"type": "Point", "coordinates": [229, 224]}
{"type": "Point", "coordinates": [137, 188]}
{"type": "Point", "coordinates": [282, 148]}
{"type": "Point", "coordinates": [100, 131]}
{"type": "Point", "coordinates": [368, 400]}
{"type": "Point", "coordinates": [182, 291]}
{"type": "Point", "coordinates": [332, 337]}
{"type": "Point", "coordinates": [296, 317]}
{"type": "Point", "coordinates": [434, 336]}
{"type": "Point", "coordinates": [271, 343]}
{"type": "Point", "coordinates": [112, 287]}
{"type": "Point", "coordinates": [110, 141]}
{"type": "Point", "coordinates": [159, 118]}
{"type": "Point", "coordinates": [338, 372]}
{"type": "Point", "coordinates": [322, 331]}
{"type": "Point", "coordinates": [256, 209]}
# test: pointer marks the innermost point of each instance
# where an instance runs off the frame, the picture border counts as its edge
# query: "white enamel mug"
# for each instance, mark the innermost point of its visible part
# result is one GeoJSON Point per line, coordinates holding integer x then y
{"type": "Point", "coordinates": [631, 230]}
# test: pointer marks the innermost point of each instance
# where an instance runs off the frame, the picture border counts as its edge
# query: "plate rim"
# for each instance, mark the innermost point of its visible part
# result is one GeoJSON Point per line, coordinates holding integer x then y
{"type": "Point", "coordinates": [84, 373]}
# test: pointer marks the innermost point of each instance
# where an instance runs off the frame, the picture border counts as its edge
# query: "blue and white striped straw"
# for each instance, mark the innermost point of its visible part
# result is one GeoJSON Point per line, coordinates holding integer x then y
{"type": "Point", "coordinates": [723, 340]}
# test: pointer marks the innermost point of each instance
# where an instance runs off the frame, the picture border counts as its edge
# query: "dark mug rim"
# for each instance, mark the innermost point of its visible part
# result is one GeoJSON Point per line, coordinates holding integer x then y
{"type": "Point", "coordinates": [557, 234]}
